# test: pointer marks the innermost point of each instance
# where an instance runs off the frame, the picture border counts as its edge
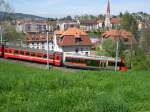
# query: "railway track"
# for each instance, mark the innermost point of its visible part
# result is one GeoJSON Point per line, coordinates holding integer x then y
{"type": "Point", "coordinates": [38, 65]}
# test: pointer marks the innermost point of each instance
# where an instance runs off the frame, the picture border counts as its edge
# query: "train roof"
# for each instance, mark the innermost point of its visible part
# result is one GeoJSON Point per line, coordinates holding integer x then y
{"type": "Point", "coordinates": [104, 58]}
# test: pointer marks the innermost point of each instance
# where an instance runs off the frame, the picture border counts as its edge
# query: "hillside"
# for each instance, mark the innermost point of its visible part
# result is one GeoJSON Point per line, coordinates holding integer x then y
{"type": "Point", "coordinates": [19, 16]}
{"type": "Point", "coordinates": [28, 89]}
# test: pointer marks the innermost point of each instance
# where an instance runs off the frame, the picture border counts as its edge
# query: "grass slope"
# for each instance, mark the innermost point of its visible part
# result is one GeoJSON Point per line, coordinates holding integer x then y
{"type": "Point", "coordinates": [26, 89]}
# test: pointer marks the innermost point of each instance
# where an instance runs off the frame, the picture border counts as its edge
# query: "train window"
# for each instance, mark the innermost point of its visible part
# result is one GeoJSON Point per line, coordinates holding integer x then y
{"type": "Point", "coordinates": [22, 52]}
{"type": "Point", "coordinates": [33, 54]}
{"type": "Point", "coordinates": [10, 51]}
{"type": "Point", "coordinates": [120, 64]}
{"type": "Point", "coordinates": [111, 63]}
{"type": "Point", "coordinates": [6, 50]}
{"type": "Point", "coordinates": [27, 53]}
{"type": "Point", "coordinates": [68, 59]}
{"type": "Point", "coordinates": [16, 51]}
{"type": "Point", "coordinates": [39, 55]}
{"type": "Point", "coordinates": [51, 57]}
{"type": "Point", "coordinates": [57, 57]}
{"type": "Point", "coordinates": [92, 63]}
{"type": "Point", "coordinates": [45, 56]}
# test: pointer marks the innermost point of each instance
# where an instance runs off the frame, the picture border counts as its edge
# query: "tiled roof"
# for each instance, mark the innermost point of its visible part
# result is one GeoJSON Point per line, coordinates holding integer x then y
{"type": "Point", "coordinates": [74, 31]}
{"type": "Point", "coordinates": [59, 32]}
{"type": "Point", "coordinates": [115, 20]}
{"type": "Point", "coordinates": [37, 38]}
{"type": "Point", "coordinates": [89, 22]}
{"type": "Point", "coordinates": [68, 38]}
{"type": "Point", "coordinates": [119, 34]}
{"type": "Point", "coordinates": [42, 22]}
{"type": "Point", "coordinates": [31, 21]}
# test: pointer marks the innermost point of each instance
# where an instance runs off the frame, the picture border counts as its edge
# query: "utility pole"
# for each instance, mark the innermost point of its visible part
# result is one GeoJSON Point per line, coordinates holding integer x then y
{"type": "Point", "coordinates": [131, 51]}
{"type": "Point", "coordinates": [1, 31]}
{"type": "Point", "coordinates": [47, 32]}
{"type": "Point", "coordinates": [117, 54]}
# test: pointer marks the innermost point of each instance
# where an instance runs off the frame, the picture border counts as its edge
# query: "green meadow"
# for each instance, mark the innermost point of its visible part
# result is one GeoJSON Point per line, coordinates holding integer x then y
{"type": "Point", "coordinates": [27, 89]}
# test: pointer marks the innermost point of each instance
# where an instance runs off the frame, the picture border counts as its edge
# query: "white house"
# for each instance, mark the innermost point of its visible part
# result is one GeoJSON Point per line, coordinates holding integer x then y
{"type": "Point", "coordinates": [72, 41]}
{"type": "Point", "coordinates": [39, 41]}
{"type": "Point", "coordinates": [65, 24]}
{"type": "Point", "coordinates": [90, 25]}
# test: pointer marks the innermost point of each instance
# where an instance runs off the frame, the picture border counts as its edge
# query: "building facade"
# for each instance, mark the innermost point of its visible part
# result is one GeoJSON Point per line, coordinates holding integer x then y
{"type": "Point", "coordinates": [39, 41]}
{"type": "Point", "coordinates": [65, 24]}
{"type": "Point", "coordinates": [90, 25]}
{"type": "Point", "coordinates": [34, 26]}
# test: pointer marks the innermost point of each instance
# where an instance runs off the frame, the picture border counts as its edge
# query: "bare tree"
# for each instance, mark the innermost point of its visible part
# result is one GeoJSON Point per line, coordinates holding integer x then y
{"type": "Point", "coordinates": [6, 10]}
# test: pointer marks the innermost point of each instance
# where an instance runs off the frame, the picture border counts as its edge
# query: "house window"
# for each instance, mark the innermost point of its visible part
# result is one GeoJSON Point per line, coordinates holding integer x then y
{"type": "Point", "coordinates": [77, 50]}
{"type": "Point", "coordinates": [87, 53]}
{"type": "Point", "coordinates": [78, 40]}
{"type": "Point", "coordinates": [126, 39]}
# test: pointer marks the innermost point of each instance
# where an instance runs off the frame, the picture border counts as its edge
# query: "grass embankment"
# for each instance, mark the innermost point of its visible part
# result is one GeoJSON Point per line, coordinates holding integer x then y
{"type": "Point", "coordinates": [26, 89]}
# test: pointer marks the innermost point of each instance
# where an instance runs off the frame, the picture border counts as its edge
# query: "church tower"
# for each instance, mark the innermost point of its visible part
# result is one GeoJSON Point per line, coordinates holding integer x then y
{"type": "Point", "coordinates": [108, 16]}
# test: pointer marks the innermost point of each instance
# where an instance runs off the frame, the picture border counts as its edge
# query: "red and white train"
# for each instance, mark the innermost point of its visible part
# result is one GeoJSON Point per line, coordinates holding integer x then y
{"type": "Point", "coordinates": [58, 59]}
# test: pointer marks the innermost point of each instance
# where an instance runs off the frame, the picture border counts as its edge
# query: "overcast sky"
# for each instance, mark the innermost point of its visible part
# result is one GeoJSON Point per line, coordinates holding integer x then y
{"type": "Point", "coordinates": [60, 8]}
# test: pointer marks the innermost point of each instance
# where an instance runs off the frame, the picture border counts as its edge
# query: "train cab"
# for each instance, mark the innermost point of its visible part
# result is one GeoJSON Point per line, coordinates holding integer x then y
{"type": "Point", "coordinates": [92, 63]}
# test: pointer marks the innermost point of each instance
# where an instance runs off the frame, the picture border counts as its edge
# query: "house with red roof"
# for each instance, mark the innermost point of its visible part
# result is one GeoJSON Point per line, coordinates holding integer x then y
{"type": "Point", "coordinates": [73, 40]}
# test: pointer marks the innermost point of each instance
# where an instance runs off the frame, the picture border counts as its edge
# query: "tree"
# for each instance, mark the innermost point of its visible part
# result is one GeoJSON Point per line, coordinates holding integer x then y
{"type": "Point", "coordinates": [121, 14]}
{"type": "Point", "coordinates": [129, 23]}
{"type": "Point", "coordinates": [144, 41]}
{"type": "Point", "coordinates": [10, 33]}
{"type": "Point", "coordinates": [108, 47]}
{"type": "Point", "coordinates": [6, 10]}
{"type": "Point", "coordinates": [68, 18]}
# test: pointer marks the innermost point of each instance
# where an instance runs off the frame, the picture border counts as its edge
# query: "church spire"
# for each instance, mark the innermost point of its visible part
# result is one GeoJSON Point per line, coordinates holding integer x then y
{"type": "Point", "coordinates": [108, 16]}
{"type": "Point", "coordinates": [108, 7]}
